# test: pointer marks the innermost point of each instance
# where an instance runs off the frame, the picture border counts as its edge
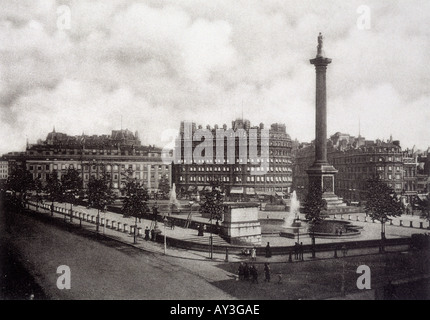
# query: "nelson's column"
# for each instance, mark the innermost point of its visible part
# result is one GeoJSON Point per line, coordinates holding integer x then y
{"type": "Point", "coordinates": [321, 172]}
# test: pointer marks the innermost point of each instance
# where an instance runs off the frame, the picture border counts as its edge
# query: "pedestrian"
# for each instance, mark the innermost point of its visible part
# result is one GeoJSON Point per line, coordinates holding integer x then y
{"type": "Point", "coordinates": [146, 233]}
{"type": "Point", "coordinates": [246, 272]}
{"type": "Point", "coordinates": [254, 274]}
{"type": "Point", "coordinates": [340, 232]}
{"type": "Point", "coordinates": [172, 224]}
{"type": "Point", "coordinates": [267, 272]}
{"type": "Point", "coordinates": [152, 234]}
{"type": "Point", "coordinates": [296, 251]}
{"type": "Point", "coordinates": [344, 250]}
{"type": "Point", "coordinates": [240, 271]}
{"type": "Point", "coordinates": [301, 251]}
{"type": "Point", "coordinates": [268, 251]}
{"type": "Point", "coordinates": [253, 254]}
{"type": "Point", "coordinates": [200, 229]}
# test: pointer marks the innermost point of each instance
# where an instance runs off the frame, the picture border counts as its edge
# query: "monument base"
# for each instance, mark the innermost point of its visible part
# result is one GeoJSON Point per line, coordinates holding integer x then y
{"type": "Point", "coordinates": [241, 226]}
{"type": "Point", "coordinates": [322, 173]}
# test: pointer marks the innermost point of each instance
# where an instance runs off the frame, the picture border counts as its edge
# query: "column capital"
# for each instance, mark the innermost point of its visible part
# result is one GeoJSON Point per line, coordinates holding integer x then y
{"type": "Point", "coordinates": [320, 61]}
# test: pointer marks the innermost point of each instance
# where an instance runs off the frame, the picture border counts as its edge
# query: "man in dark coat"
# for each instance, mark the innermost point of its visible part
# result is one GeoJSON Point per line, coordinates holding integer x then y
{"type": "Point", "coordinates": [267, 272]}
{"type": "Point", "coordinates": [268, 251]}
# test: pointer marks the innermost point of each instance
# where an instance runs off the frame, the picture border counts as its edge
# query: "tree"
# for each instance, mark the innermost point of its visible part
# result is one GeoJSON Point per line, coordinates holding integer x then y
{"type": "Point", "coordinates": [213, 203]}
{"type": "Point", "coordinates": [381, 202]}
{"type": "Point", "coordinates": [19, 182]}
{"type": "Point", "coordinates": [423, 204]}
{"type": "Point", "coordinates": [38, 188]}
{"type": "Point", "coordinates": [136, 201]}
{"type": "Point", "coordinates": [213, 200]}
{"type": "Point", "coordinates": [54, 189]}
{"type": "Point", "coordinates": [314, 205]}
{"type": "Point", "coordinates": [72, 186]}
{"type": "Point", "coordinates": [99, 194]}
{"type": "Point", "coordinates": [164, 187]}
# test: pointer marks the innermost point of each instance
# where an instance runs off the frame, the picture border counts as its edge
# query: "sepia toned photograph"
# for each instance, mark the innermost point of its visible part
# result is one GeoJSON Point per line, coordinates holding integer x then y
{"type": "Point", "coordinates": [236, 152]}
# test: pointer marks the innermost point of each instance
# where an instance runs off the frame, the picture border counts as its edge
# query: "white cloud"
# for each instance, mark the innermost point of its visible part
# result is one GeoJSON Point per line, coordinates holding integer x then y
{"type": "Point", "coordinates": [157, 64]}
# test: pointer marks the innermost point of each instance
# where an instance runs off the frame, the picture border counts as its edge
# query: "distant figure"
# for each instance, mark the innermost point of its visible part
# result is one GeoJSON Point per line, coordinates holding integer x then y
{"type": "Point", "coordinates": [267, 272]}
{"type": "Point", "coordinates": [147, 233]}
{"type": "Point", "coordinates": [344, 250]}
{"type": "Point", "coordinates": [200, 229]}
{"type": "Point", "coordinates": [241, 271]}
{"type": "Point", "coordinates": [268, 251]}
{"type": "Point", "coordinates": [172, 225]}
{"type": "Point", "coordinates": [152, 234]}
{"type": "Point", "coordinates": [340, 232]}
{"type": "Point", "coordinates": [254, 274]}
{"type": "Point", "coordinates": [246, 272]}
{"type": "Point", "coordinates": [246, 252]}
{"type": "Point", "coordinates": [253, 254]}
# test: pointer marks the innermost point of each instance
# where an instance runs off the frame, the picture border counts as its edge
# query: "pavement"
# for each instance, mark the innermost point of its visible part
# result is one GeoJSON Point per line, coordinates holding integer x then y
{"type": "Point", "coordinates": [370, 231]}
{"type": "Point", "coordinates": [99, 272]}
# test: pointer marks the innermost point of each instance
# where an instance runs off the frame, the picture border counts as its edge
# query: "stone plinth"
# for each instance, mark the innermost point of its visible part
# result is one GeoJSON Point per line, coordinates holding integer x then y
{"type": "Point", "coordinates": [241, 225]}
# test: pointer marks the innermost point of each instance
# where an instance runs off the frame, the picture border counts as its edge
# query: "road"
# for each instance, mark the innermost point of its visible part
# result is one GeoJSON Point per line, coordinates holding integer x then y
{"type": "Point", "coordinates": [109, 269]}
{"type": "Point", "coordinates": [105, 269]}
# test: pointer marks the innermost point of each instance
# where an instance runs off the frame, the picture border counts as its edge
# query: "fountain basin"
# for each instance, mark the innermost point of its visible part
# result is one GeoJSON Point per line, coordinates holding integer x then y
{"type": "Point", "coordinates": [296, 227]}
{"type": "Point", "coordinates": [328, 228]}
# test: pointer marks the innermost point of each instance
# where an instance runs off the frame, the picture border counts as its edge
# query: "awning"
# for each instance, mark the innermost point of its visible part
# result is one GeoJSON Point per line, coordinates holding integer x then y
{"type": "Point", "coordinates": [236, 190]}
{"type": "Point", "coordinates": [422, 197]}
{"type": "Point", "coordinates": [279, 194]}
{"type": "Point", "coordinates": [250, 191]}
{"type": "Point", "coordinates": [191, 188]}
{"type": "Point", "coordinates": [200, 188]}
{"type": "Point", "coordinates": [208, 188]}
{"type": "Point", "coordinates": [264, 193]}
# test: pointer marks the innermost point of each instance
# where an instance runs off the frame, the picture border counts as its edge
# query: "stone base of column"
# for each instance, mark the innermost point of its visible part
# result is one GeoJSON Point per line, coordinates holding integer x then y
{"type": "Point", "coordinates": [322, 174]}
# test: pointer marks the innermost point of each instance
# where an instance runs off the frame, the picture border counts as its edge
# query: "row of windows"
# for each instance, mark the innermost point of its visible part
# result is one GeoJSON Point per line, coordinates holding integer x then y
{"type": "Point", "coordinates": [237, 169]}
{"type": "Point", "coordinates": [133, 167]}
{"type": "Point", "coordinates": [238, 160]}
{"type": "Point", "coordinates": [93, 152]}
{"type": "Point", "coordinates": [366, 159]}
{"type": "Point", "coordinates": [238, 179]}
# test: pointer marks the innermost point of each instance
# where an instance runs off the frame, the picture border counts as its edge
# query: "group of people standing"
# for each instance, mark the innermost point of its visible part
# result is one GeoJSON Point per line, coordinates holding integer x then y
{"type": "Point", "coordinates": [247, 273]}
{"type": "Point", "coordinates": [298, 251]}
{"type": "Point", "coordinates": [149, 234]}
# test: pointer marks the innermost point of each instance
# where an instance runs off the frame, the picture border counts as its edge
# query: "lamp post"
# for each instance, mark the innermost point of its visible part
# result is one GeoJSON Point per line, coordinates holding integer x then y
{"type": "Point", "coordinates": [155, 213]}
{"type": "Point", "coordinates": [191, 211]}
{"type": "Point", "coordinates": [98, 219]}
{"type": "Point", "coordinates": [165, 242]}
{"type": "Point", "coordinates": [211, 240]}
{"type": "Point", "coordinates": [104, 223]}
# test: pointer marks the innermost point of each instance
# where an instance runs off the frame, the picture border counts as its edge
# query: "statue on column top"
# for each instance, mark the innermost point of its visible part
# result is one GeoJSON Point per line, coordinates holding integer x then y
{"type": "Point", "coordinates": [320, 51]}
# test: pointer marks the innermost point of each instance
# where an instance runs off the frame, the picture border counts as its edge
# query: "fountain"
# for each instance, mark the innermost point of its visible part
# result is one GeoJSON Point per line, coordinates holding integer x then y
{"type": "Point", "coordinates": [292, 223]}
{"type": "Point", "coordinates": [173, 201]}
{"type": "Point", "coordinates": [293, 213]}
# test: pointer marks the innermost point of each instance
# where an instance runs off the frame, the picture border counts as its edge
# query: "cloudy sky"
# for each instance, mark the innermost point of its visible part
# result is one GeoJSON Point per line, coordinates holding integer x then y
{"type": "Point", "coordinates": [156, 63]}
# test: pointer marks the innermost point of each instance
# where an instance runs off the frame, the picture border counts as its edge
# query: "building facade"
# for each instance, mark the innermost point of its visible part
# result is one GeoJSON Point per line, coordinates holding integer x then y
{"type": "Point", "coordinates": [4, 171]}
{"type": "Point", "coordinates": [94, 156]}
{"type": "Point", "coordinates": [266, 174]}
{"type": "Point", "coordinates": [357, 160]}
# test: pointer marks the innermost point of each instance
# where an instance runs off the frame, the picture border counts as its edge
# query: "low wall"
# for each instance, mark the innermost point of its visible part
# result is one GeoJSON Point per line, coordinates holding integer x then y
{"type": "Point", "coordinates": [275, 207]}
{"type": "Point", "coordinates": [237, 249]}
